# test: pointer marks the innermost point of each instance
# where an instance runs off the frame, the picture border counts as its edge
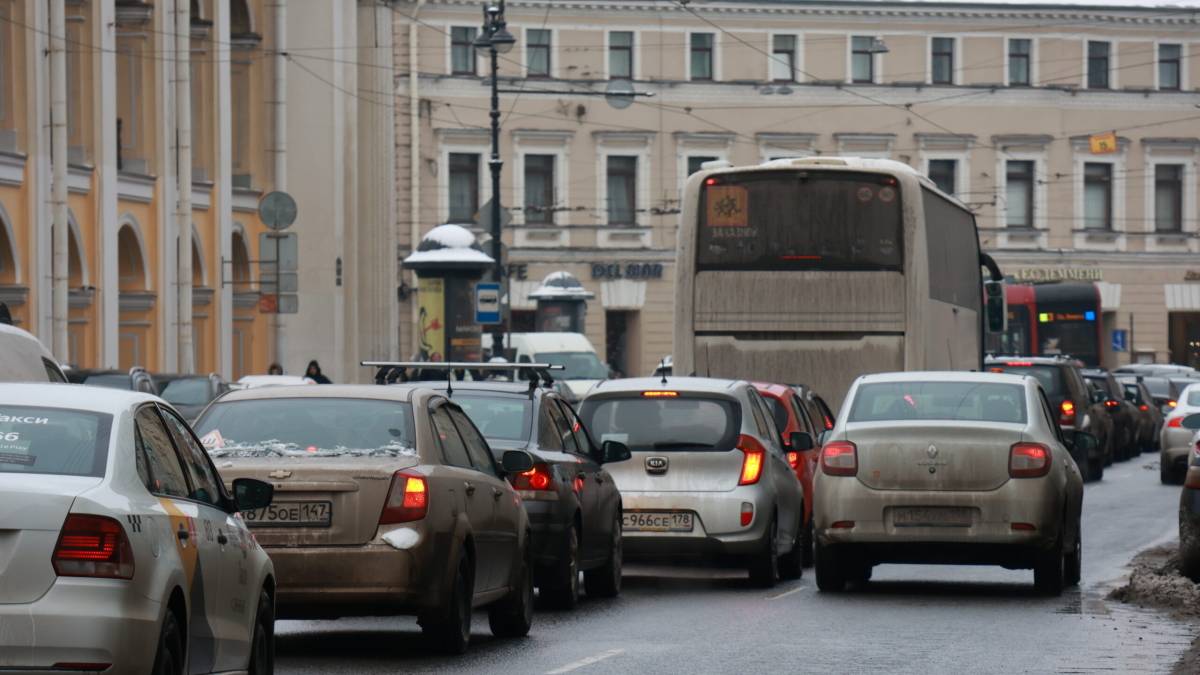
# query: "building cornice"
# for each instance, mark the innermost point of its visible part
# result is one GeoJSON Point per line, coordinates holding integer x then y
{"type": "Point", "coordinates": [12, 168]}
{"type": "Point", "coordinates": [624, 136]}
{"type": "Point", "coordinates": [135, 186]}
{"type": "Point", "coordinates": [543, 134]}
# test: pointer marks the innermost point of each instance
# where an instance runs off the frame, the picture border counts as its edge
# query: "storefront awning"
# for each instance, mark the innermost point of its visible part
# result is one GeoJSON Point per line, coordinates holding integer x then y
{"type": "Point", "coordinates": [1182, 297]}
{"type": "Point", "coordinates": [1110, 296]}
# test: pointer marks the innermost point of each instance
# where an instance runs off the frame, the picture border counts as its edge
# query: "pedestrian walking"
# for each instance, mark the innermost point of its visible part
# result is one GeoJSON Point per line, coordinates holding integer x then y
{"type": "Point", "coordinates": [314, 373]}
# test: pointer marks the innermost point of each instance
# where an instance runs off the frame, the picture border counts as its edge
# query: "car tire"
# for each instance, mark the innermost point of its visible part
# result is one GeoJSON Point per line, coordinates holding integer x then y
{"type": "Point", "coordinates": [807, 544]}
{"type": "Point", "coordinates": [512, 617]}
{"type": "Point", "coordinates": [764, 564]}
{"type": "Point", "coordinates": [831, 575]}
{"type": "Point", "coordinates": [262, 644]}
{"type": "Point", "coordinates": [452, 634]}
{"type": "Point", "coordinates": [1095, 469]}
{"type": "Point", "coordinates": [168, 659]}
{"type": "Point", "coordinates": [1074, 563]}
{"type": "Point", "coordinates": [791, 564]}
{"type": "Point", "coordinates": [564, 592]}
{"type": "Point", "coordinates": [605, 581]}
{"type": "Point", "coordinates": [1189, 540]}
{"type": "Point", "coordinates": [1168, 474]}
{"type": "Point", "coordinates": [859, 572]}
{"type": "Point", "coordinates": [1050, 569]}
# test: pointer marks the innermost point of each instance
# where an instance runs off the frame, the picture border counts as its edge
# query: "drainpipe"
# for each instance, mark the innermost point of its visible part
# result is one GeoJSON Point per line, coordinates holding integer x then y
{"type": "Point", "coordinates": [60, 262]}
{"type": "Point", "coordinates": [414, 162]}
{"type": "Point", "coordinates": [280, 168]}
{"type": "Point", "coordinates": [183, 170]}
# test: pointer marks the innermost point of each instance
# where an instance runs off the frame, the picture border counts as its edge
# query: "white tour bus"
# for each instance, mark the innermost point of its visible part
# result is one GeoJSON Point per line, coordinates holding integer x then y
{"type": "Point", "coordinates": [822, 269]}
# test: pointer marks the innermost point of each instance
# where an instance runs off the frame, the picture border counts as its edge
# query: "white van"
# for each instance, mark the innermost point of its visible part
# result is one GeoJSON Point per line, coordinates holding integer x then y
{"type": "Point", "coordinates": [573, 351]}
{"type": "Point", "coordinates": [23, 358]}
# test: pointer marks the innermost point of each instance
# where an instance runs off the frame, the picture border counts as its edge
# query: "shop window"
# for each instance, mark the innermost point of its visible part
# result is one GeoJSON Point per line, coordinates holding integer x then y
{"type": "Point", "coordinates": [620, 55]}
{"type": "Point", "coordinates": [1019, 193]}
{"type": "Point", "coordinates": [537, 52]}
{"type": "Point", "coordinates": [1097, 196]}
{"type": "Point", "coordinates": [539, 188]}
{"type": "Point", "coordinates": [783, 58]}
{"type": "Point", "coordinates": [942, 60]}
{"type": "Point", "coordinates": [616, 342]}
{"type": "Point", "coordinates": [862, 61]}
{"type": "Point", "coordinates": [464, 186]}
{"type": "Point", "coordinates": [1169, 66]}
{"type": "Point", "coordinates": [702, 56]}
{"type": "Point", "coordinates": [1168, 198]}
{"type": "Point", "coordinates": [622, 189]}
{"type": "Point", "coordinates": [1019, 62]}
{"type": "Point", "coordinates": [462, 50]}
{"type": "Point", "coordinates": [942, 172]}
{"type": "Point", "coordinates": [1097, 64]}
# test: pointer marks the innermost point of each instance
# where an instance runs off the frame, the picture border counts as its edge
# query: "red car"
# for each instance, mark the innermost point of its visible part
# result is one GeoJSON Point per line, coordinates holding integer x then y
{"type": "Point", "coordinates": [791, 414]}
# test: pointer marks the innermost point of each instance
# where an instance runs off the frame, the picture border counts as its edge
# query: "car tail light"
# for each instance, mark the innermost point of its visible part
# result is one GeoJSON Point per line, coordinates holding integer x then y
{"type": "Point", "coordinates": [794, 459]}
{"type": "Point", "coordinates": [93, 546]}
{"type": "Point", "coordinates": [408, 500]}
{"type": "Point", "coordinates": [1111, 403]}
{"type": "Point", "coordinates": [752, 463]}
{"type": "Point", "coordinates": [1175, 423]}
{"type": "Point", "coordinates": [839, 458]}
{"type": "Point", "coordinates": [1028, 460]}
{"type": "Point", "coordinates": [747, 514]}
{"type": "Point", "coordinates": [1172, 403]}
{"type": "Point", "coordinates": [1067, 417]}
{"type": "Point", "coordinates": [1143, 407]}
{"type": "Point", "coordinates": [537, 484]}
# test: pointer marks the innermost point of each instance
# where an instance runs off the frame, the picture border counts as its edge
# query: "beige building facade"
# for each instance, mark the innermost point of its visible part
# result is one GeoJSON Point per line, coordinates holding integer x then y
{"type": "Point", "coordinates": [996, 102]}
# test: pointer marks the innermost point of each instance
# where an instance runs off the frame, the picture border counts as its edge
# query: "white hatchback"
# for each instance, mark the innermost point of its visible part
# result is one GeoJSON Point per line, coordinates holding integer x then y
{"type": "Point", "coordinates": [120, 550]}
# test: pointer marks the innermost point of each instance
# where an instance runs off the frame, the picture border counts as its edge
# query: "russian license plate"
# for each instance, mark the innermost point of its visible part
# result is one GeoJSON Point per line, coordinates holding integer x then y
{"type": "Point", "coordinates": [291, 514]}
{"type": "Point", "coordinates": [931, 516]}
{"type": "Point", "coordinates": [656, 521]}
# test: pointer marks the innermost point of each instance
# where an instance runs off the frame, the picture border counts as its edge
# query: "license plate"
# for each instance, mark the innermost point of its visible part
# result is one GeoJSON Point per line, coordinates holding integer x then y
{"type": "Point", "coordinates": [291, 514]}
{"type": "Point", "coordinates": [931, 516]}
{"type": "Point", "coordinates": [656, 521]}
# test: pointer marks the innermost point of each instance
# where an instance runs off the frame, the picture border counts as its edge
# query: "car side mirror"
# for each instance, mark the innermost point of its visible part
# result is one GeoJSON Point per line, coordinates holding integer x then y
{"type": "Point", "coordinates": [251, 494]}
{"type": "Point", "coordinates": [1191, 422]}
{"type": "Point", "coordinates": [614, 451]}
{"type": "Point", "coordinates": [516, 461]}
{"type": "Point", "coordinates": [1085, 442]}
{"type": "Point", "coordinates": [801, 441]}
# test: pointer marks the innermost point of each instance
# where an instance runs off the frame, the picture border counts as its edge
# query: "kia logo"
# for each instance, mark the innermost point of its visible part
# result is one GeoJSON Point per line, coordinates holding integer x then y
{"type": "Point", "coordinates": [656, 464]}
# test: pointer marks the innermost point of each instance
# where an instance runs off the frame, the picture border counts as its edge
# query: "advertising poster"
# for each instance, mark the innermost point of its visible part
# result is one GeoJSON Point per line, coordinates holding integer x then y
{"type": "Point", "coordinates": [431, 319]}
{"type": "Point", "coordinates": [462, 333]}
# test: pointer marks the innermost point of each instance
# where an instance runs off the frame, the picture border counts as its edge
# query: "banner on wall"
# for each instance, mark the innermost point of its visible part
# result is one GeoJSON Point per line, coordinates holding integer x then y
{"type": "Point", "coordinates": [431, 319]}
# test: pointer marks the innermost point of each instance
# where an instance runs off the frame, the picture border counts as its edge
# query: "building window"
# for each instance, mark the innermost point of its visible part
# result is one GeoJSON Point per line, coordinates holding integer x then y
{"type": "Point", "coordinates": [462, 50]}
{"type": "Point", "coordinates": [702, 56]}
{"type": "Point", "coordinates": [1019, 53]}
{"type": "Point", "coordinates": [1097, 196]}
{"type": "Point", "coordinates": [239, 85]}
{"type": "Point", "coordinates": [697, 163]}
{"type": "Point", "coordinates": [783, 58]}
{"type": "Point", "coordinates": [464, 186]}
{"type": "Point", "coordinates": [1097, 65]}
{"type": "Point", "coordinates": [622, 189]}
{"type": "Point", "coordinates": [1168, 66]}
{"type": "Point", "coordinates": [942, 60]}
{"type": "Point", "coordinates": [620, 55]}
{"type": "Point", "coordinates": [862, 61]}
{"type": "Point", "coordinates": [1019, 193]}
{"type": "Point", "coordinates": [539, 188]}
{"type": "Point", "coordinates": [537, 51]}
{"type": "Point", "coordinates": [1168, 198]}
{"type": "Point", "coordinates": [942, 173]}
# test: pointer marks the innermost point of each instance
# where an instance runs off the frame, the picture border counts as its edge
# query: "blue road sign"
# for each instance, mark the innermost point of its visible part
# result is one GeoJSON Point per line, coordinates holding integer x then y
{"type": "Point", "coordinates": [487, 303]}
{"type": "Point", "coordinates": [1118, 338]}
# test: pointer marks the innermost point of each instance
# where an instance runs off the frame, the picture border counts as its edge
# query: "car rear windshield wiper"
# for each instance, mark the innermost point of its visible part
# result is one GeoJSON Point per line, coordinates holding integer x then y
{"type": "Point", "coordinates": [662, 445]}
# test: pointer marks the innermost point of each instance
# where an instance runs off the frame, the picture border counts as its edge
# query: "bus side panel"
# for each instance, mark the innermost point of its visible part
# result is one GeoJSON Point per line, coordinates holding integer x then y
{"type": "Point", "coordinates": [829, 366]}
{"type": "Point", "coordinates": [954, 337]}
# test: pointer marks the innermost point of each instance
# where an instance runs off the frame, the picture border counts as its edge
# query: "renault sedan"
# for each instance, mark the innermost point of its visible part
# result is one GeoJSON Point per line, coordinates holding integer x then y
{"type": "Point", "coordinates": [955, 468]}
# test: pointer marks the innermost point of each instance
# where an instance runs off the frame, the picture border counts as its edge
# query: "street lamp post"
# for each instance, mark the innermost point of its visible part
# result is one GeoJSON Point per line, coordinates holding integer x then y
{"type": "Point", "coordinates": [495, 38]}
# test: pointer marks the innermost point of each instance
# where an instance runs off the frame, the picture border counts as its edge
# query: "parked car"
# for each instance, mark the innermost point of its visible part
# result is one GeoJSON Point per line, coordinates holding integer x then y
{"type": "Point", "coordinates": [1175, 441]}
{"type": "Point", "coordinates": [952, 468]}
{"type": "Point", "coordinates": [1126, 442]}
{"type": "Point", "coordinates": [256, 381]}
{"type": "Point", "coordinates": [1164, 391]}
{"type": "Point", "coordinates": [709, 476]}
{"type": "Point", "coordinates": [1072, 401]}
{"type": "Point", "coordinates": [389, 502]}
{"type": "Point", "coordinates": [134, 379]}
{"type": "Point", "coordinates": [1148, 414]}
{"type": "Point", "coordinates": [1156, 369]}
{"type": "Point", "coordinates": [190, 394]}
{"type": "Point", "coordinates": [573, 503]}
{"type": "Point", "coordinates": [1189, 505]}
{"type": "Point", "coordinates": [23, 358]}
{"type": "Point", "coordinates": [123, 551]}
{"type": "Point", "coordinates": [790, 415]}
{"type": "Point", "coordinates": [817, 408]}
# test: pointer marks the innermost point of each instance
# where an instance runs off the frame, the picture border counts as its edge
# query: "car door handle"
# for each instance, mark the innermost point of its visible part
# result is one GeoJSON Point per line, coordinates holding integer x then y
{"type": "Point", "coordinates": [469, 487]}
{"type": "Point", "coordinates": [183, 533]}
{"type": "Point", "coordinates": [222, 539]}
{"type": "Point", "coordinates": [496, 494]}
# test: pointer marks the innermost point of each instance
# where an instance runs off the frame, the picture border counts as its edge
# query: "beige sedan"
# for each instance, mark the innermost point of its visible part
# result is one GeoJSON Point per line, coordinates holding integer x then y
{"type": "Point", "coordinates": [387, 501]}
{"type": "Point", "coordinates": [948, 467]}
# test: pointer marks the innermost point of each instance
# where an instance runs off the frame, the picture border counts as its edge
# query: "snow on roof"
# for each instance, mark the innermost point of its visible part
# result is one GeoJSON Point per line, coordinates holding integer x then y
{"type": "Point", "coordinates": [449, 236]}
{"type": "Point", "coordinates": [449, 243]}
{"type": "Point", "coordinates": [561, 285]}
{"type": "Point", "coordinates": [449, 255]}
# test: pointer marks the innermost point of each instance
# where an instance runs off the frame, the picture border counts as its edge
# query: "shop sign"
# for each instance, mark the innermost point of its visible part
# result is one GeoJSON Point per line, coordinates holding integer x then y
{"type": "Point", "coordinates": [627, 270]}
{"type": "Point", "coordinates": [1059, 274]}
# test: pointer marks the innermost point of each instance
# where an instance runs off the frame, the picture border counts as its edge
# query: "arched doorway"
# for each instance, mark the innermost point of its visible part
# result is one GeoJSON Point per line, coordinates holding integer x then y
{"type": "Point", "coordinates": [244, 298]}
{"type": "Point", "coordinates": [136, 298]}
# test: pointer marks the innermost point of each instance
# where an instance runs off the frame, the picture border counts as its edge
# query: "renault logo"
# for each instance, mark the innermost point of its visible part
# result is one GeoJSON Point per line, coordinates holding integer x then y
{"type": "Point", "coordinates": [932, 451]}
{"type": "Point", "coordinates": [656, 465]}
{"type": "Point", "coordinates": [280, 474]}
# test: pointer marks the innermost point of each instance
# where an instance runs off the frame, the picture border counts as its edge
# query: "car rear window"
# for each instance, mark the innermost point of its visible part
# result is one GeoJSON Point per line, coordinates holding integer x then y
{"type": "Point", "coordinates": [1159, 387]}
{"type": "Point", "coordinates": [504, 417]}
{"type": "Point", "coordinates": [186, 391]}
{"type": "Point", "coordinates": [975, 401]}
{"type": "Point", "coordinates": [58, 441]}
{"type": "Point", "coordinates": [778, 413]}
{"type": "Point", "coordinates": [1193, 397]}
{"type": "Point", "coordinates": [1049, 376]}
{"type": "Point", "coordinates": [111, 380]}
{"type": "Point", "coordinates": [308, 427]}
{"type": "Point", "coordinates": [664, 424]}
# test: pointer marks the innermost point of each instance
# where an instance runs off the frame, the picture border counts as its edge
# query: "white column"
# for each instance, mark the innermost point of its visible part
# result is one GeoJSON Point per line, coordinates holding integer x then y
{"type": "Point", "coordinates": [166, 312]}
{"type": "Point", "coordinates": [105, 91]}
{"type": "Point", "coordinates": [279, 322]}
{"type": "Point", "coordinates": [38, 133]}
{"type": "Point", "coordinates": [58, 180]}
{"type": "Point", "coordinates": [183, 167]}
{"type": "Point", "coordinates": [223, 189]}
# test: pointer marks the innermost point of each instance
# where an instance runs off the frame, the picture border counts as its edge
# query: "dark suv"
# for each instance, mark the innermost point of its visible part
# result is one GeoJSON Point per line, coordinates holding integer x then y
{"type": "Point", "coordinates": [1126, 429]}
{"type": "Point", "coordinates": [1068, 393]}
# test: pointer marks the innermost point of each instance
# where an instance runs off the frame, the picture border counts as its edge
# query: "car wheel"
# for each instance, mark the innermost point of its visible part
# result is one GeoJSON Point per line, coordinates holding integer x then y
{"type": "Point", "coordinates": [1095, 469]}
{"type": "Point", "coordinates": [807, 543]}
{"type": "Point", "coordinates": [168, 660]}
{"type": "Point", "coordinates": [513, 616]}
{"type": "Point", "coordinates": [262, 647]}
{"type": "Point", "coordinates": [605, 581]}
{"type": "Point", "coordinates": [1050, 569]}
{"type": "Point", "coordinates": [859, 572]}
{"type": "Point", "coordinates": [452, 634]}
{"type": "Point", "coordinates": [1074, 564]}
{"type": "Point", "coordinates": [1189, 540]}
{"type": "Point", "coordinates": [764, 565]}
{"type": "Point", "coordinates": [831, 575]}
{"type": "Point", "coordinates": [565, 592]}
{"type": "Point", "coordinates": [1168, 474]}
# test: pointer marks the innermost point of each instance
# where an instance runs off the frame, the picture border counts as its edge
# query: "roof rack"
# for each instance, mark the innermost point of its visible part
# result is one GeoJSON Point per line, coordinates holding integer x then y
{"type": "Point", "coordinates": [391, 371]}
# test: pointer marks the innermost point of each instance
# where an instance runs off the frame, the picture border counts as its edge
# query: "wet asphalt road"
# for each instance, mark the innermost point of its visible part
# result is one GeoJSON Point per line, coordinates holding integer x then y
{"type": "Point", "coordinates": [908, 619]}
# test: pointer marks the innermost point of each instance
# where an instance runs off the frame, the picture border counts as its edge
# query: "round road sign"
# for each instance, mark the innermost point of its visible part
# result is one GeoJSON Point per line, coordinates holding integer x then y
{"type": "Point", "coordinates": [277, 210]}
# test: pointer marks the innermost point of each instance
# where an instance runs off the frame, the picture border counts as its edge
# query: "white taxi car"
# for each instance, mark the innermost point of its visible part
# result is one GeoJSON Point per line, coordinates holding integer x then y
{"type": "Point", "coordinates": [120, 550]}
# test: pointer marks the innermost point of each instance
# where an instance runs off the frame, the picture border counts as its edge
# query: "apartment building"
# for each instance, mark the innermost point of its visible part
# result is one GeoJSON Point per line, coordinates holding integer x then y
{"type": "Point", "coordinates": [994, 101]}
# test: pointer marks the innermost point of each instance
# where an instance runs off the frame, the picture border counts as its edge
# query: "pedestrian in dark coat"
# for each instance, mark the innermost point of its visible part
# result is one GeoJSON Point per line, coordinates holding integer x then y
{"type": "Point", "coordinates": [314, 373]}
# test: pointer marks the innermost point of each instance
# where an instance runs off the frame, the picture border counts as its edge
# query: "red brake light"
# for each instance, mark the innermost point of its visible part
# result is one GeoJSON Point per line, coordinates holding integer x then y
{"type": "Point", "coordinates": [1111, 403]}
{"type": "Point", "coordinates": [660, 393]}
{"type": "Point", "coordinates": [1028, 460]}
{"type": "Point", "coordinates": [839, 458]}
{"type": "Point", "coordinates": [408, 499]}
{"type": "Point", "coordinates": [752, 463]}
{"type": "Point", "coordinates": [1067, 417]}
{"type": "Point", "coordinates": [538, 479]}
{"type": "Point", "coordinates": [1143, 407]}
{"type": "Point", "coordinates": [793, 459]}
{"type": "Point", "coordinates": [1019, 363]}
{"type": "Point", "coordinates": [713, 181]}
{"type": "Point", "coordinates": [93, 546]}
{"type": "Point", "coordinates": [1175, 423]}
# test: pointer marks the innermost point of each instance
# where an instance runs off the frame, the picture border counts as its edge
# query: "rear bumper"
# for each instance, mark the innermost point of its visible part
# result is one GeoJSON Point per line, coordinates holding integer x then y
{"type": "Point", "coordinates": [81, 621]}
{"type": "Point", "coordinates": [717, 528]}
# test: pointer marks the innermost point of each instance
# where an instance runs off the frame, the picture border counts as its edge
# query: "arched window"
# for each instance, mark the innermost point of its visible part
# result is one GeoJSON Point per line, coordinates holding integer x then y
{"type": "Point", "coordinates": [241, 261]}
{"type": "Point", "coordinates": [10, 268]}
{"type": "Point", "coordinates": [241, 21]}
{"type": "Point", "coordinates": [132, 271]}
{"type": "Point", "coordinates": [199, 271]}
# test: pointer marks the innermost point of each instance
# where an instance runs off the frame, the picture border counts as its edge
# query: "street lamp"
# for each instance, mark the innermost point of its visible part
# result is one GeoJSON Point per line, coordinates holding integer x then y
{"type": "Point", "coordinates": [495, 38]}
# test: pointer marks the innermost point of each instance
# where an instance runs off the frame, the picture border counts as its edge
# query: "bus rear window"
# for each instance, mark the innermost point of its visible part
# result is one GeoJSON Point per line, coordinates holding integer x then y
{"type": "Point", "coordinates": [800, 220]}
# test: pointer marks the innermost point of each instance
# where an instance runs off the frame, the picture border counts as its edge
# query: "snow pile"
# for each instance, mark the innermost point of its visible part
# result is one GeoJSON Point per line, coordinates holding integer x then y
{"type": "Point", "coordinates": [449, 243]}
{"type": "Point", "coordinates": [449, 236]}
{"type": "Point", "coordinates": [402, 538]}
{"type": "Point", "coordinates": [1156, 582]}
{"type": "Point", "coordinates": [277, 448]}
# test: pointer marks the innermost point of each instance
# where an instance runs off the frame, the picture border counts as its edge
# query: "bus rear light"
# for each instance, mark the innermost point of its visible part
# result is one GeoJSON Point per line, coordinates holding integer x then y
{"type": "Point", "coordinates": [752, 463]}
{"type": "Point", "coordinates": [93, 546]}
{"type": "Point", "coordinates": [408, 499]}
{"type": "Point", "coordinates": [839, 458]}
{"type": "Point", "coordinates": [1067, 417]}
{"type": "Point", "coordinates": [713, 181]}
{"type": "Point", "coordinates": [1028, 460]}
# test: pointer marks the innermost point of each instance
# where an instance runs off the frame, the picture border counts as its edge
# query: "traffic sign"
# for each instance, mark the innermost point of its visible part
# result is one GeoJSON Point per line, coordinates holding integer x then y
{"type": "Point", "coordinates": [484, 217]}
{"type": "Point", "coordinates": [278, 247]}
{"type": "Point", "coordinates": [278, 282]}
{"type": "Point", "coordinates": [277, 210]}
{"type": "Point", "coordinates": [1118, 340]}
{"type": "Point", "coordinates": [487, 303]}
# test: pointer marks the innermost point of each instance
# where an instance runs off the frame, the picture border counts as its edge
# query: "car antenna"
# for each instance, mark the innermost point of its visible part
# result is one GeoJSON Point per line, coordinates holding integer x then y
{"type": "Point", "coordinates": [449, 385]}
{"type": "Point", "coordinates": [662, 367]}
{"type": "Point", "coordinates": [533, 383]}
